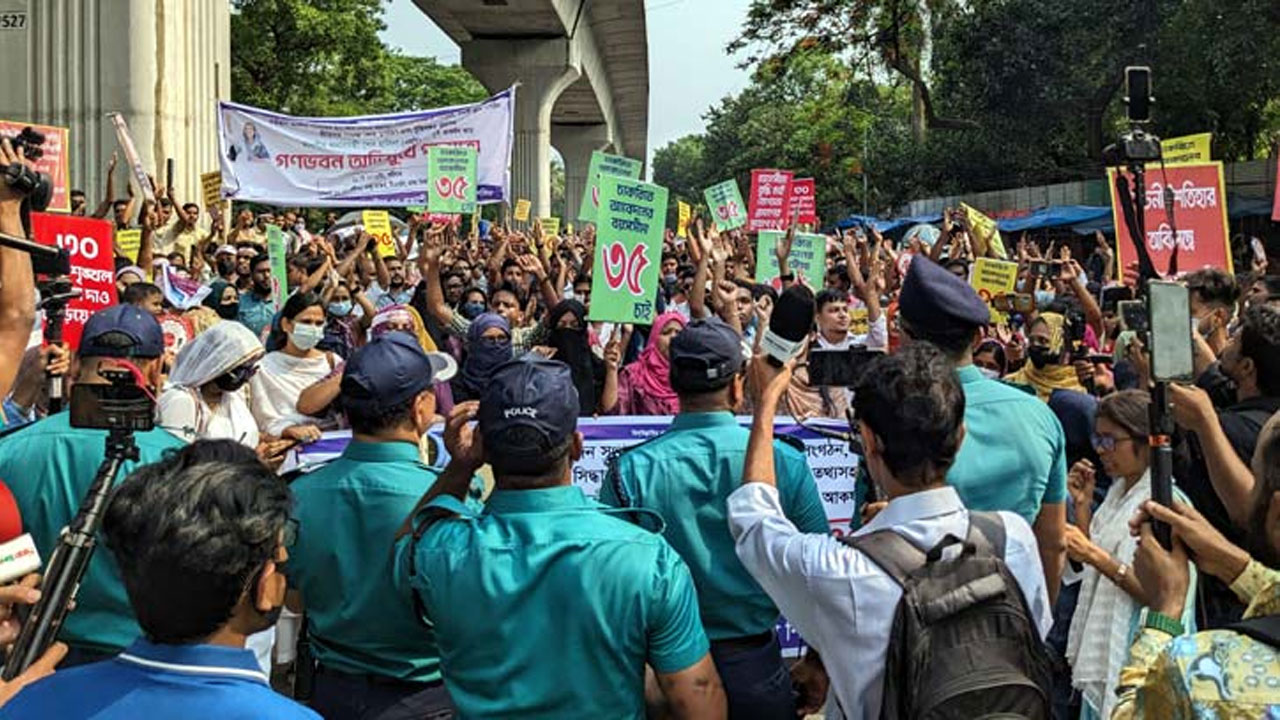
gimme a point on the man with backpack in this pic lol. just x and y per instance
(927, 611)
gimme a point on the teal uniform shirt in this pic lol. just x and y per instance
(547, 606)
(686, 475)
(1014, 452)
(348, 512)
(49, 466)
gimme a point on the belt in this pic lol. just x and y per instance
(746, 642)
(379, 680)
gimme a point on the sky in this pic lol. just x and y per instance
(689, 69)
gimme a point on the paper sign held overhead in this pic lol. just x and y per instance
(451, 180)
(550, 226)
(804, 201)
(769, 200)
(277, 247)
(604, 165)
(521, 212)
(629, 229)
(378, 224)
(1199, 227)
(129, 242)
(683, 214)
(726, 206)
(211, 189)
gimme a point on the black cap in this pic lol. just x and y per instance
(705, 356)
(531, 393)
(389, 370)
(122, 331)
(934, 299)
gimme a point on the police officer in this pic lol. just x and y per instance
(375, 659)
(545, 604)
(199, 538)
(685, 476)
(1014, 452)
(49, 466)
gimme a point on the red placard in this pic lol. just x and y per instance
(770, 198)
(804, 200)
(54, 160)
(1199, 214)
(92, 268)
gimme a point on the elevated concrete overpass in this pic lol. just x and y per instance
(583, 69)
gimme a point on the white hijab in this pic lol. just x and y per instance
(224, 346)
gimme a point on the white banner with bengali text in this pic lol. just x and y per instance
(366, 161)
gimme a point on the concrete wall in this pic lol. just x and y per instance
(163, 64)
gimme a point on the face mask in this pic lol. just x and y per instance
(1041, 356)
(305, 337)
(226, 267)
(989, 374)
(1044, 298)
(229, 311)
(471, 310)
(670, 279)
(339, 309)
(234, 379)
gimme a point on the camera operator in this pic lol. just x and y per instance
(50, 465)
(199, 537)
(17, 283)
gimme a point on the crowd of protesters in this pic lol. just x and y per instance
(509, 595)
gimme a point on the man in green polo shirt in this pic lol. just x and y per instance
(545, 604)
(49, 466)
(685, 476)
(375, 658)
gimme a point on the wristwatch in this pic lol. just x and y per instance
(1163, 623)
(789, 277)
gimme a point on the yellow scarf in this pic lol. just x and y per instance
(1051, 377)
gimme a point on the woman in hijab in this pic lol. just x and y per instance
(488, 346)
(644, 386)
(224, 299)
(568, 323)
(344, 328)
(402, 318)
(1047, 368)
(203, 399)
(991, 359)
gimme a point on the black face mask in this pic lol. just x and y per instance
(226, 267)
(229, 311)
(1041, 356)
(235, 378)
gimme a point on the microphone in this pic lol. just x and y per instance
(18, 554)
(789, 325)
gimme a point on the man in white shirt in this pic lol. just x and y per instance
(911, 422)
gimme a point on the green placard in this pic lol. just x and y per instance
(726, 206)
(276, 250)
(451, 180)
(604, 165)
(808, 255)
(632, 216)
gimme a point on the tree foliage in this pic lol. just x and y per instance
(324, 58)
(1013, 92)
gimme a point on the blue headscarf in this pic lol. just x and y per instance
(484, 355)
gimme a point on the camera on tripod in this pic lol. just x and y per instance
(122, 404)
(1136, 146)
(34, 186)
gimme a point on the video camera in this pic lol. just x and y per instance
(122, 404)
(34, 186)
(1136, 146)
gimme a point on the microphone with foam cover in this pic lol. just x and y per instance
(18, 554)
(789, 325)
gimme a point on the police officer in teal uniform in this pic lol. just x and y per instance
(685, 476)
(545, 604)
(49, 466)
(374, 658)
(1014, 452)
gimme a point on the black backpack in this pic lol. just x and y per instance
(963, 643)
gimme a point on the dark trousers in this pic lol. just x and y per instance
(344, 696)
(756, 681)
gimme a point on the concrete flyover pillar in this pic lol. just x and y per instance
(576, 143)
(544, 68)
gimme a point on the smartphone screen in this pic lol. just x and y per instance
(838, 368)
(1133, 315)
(1138, 85)
(1170, 311)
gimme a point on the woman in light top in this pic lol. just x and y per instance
(293, 365)
(204, 397)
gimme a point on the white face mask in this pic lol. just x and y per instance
(305, 337)
(989, 373)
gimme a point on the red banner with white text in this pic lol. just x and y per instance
(769, 201)
(804, 201)
(1198, 227)
(88, 241)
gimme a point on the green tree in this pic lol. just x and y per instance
(324, 58)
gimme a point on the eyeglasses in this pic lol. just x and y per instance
(1107, 443)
